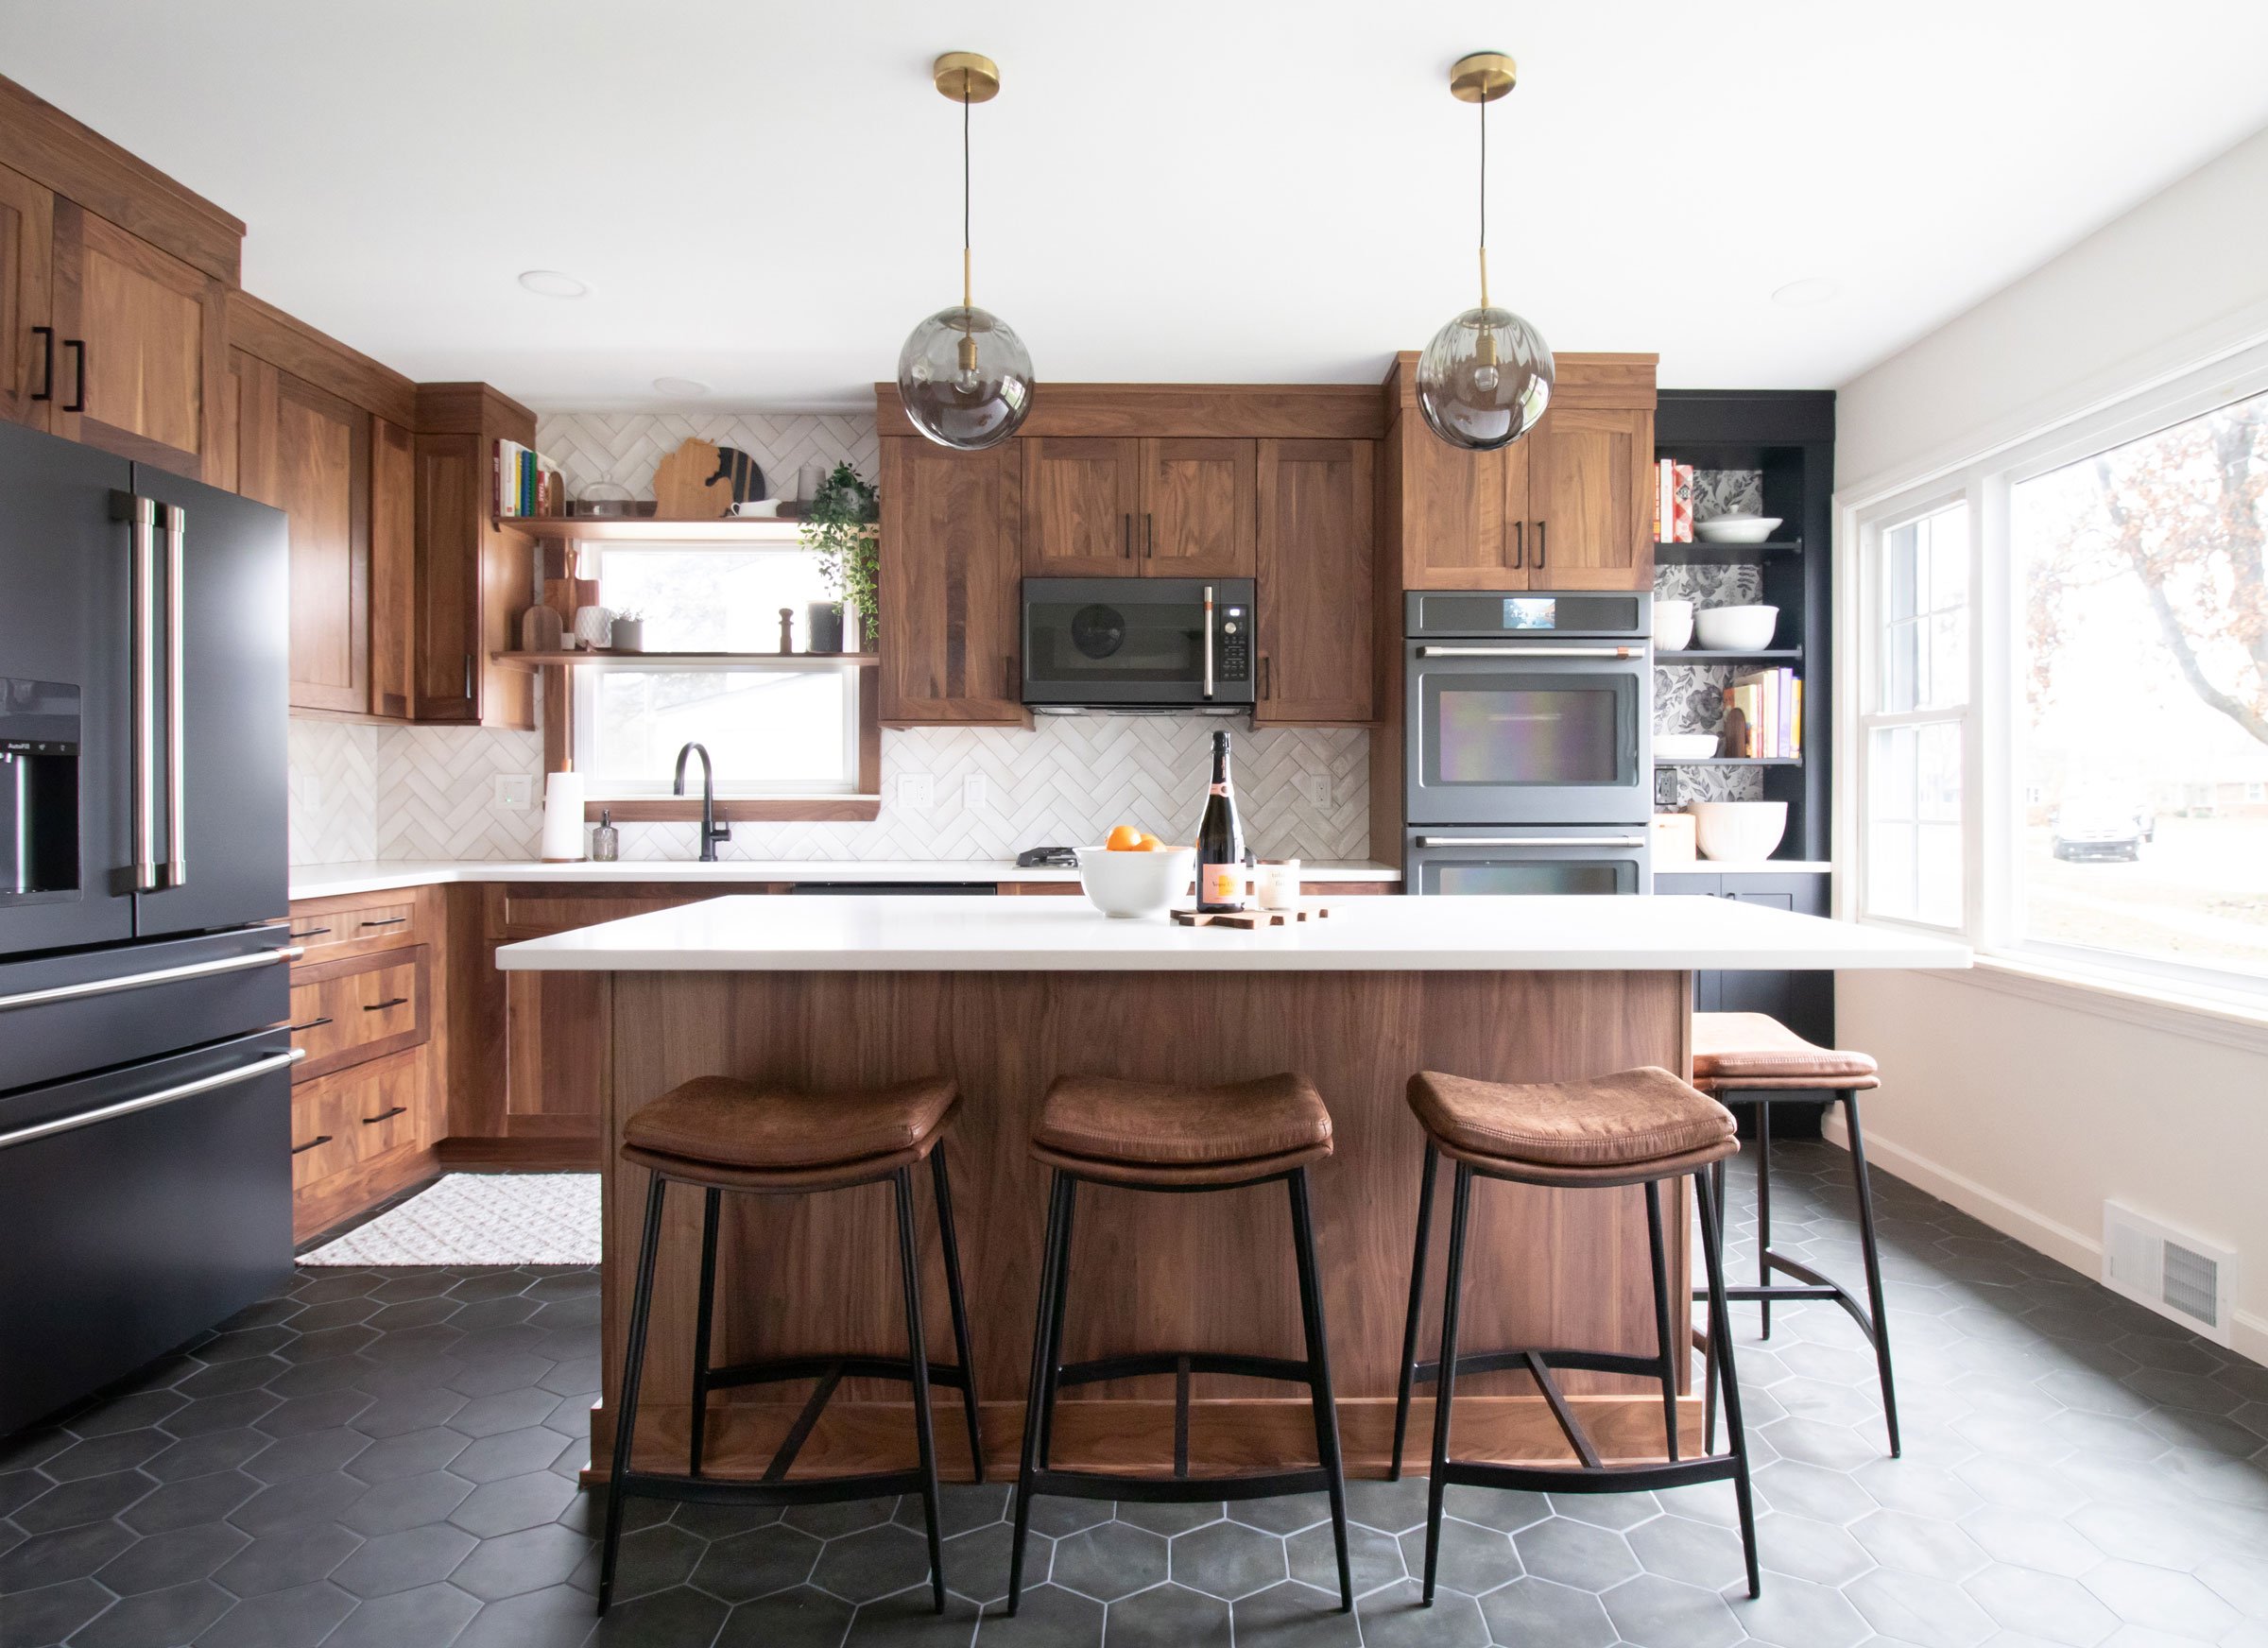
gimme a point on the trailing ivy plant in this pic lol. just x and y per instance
(840, 528)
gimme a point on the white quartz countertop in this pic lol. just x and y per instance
(854, 934)
(323, 881)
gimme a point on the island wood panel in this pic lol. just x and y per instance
(1213, 1272)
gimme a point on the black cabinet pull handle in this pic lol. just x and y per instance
(79, 344)
(311, 1024)
(1520, 545)
(1149, 537)
(303, 1149)
(1268, 680)
(390, 1001)
(46, 337)
(388, 921)
(1540, 546)
(1125, 538)
(384, 1115)
(312, 933)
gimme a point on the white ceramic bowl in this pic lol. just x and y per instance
(1737, 831)
(1685, 746)
(1132, 885)
(1736, 629)
(1673, 625)
(1737, 529)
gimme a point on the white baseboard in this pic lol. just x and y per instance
(2036, 1230)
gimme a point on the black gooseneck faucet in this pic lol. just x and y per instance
(712, 831)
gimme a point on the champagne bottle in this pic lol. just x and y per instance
(1220, 841)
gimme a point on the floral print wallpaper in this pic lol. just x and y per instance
(1690, 697)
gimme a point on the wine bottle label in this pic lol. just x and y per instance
(1221, 883)
(1217, 790)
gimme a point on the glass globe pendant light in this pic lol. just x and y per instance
(964, 375)
(1487, 377)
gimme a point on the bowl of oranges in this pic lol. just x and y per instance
(1135, 874)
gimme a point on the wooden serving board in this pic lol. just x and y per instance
(1250, 920)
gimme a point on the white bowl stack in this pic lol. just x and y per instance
(1128, 886)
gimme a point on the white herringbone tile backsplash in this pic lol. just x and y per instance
(625, 447)
(333, 790)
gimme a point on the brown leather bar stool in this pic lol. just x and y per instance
(1638, 1127)
(728, 1136)
(1152, 1135)
(1752, 1058)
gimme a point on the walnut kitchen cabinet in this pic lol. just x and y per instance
(1153, 507)
(1588, 504)
(952, 563)
(393, 514)
(28, 345)
(1314, 593)
(474, 573)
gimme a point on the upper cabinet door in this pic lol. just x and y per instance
(1082, 506)
(308, 452)
(27, 360)
(1463, 513)
(948, 578)
(1199, 515)
(393, 567)
(1315, 592)
(141, 346)
(1590, 520)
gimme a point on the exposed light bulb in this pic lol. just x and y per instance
(1486, 379)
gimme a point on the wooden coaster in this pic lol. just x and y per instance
(1250, 920)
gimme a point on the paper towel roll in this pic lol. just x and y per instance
(563, 818)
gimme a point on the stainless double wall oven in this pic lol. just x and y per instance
(1529, 760)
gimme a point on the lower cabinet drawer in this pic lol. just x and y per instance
(358, 1007)
(341, 1121)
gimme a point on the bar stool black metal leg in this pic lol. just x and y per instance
(917, 1351)
(943, 1189)
(1670, 1340)
(1034, 1386)
(702, 1322)
(1054, 1324)
(1445, 1382)
(1864, 1185)
(1318, 1375)
(1409, 1326)
(1764, 1209)
(1720, 1348)
(634, 1365)
(1709, 1363)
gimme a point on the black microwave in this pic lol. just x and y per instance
(1137, 645)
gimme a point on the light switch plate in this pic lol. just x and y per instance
(917, 790)
(1318, 789)
(972, 792)
(515, 792)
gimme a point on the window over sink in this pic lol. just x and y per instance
(790, 728)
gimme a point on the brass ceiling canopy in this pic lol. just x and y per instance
(973, 77)
(1482, 78)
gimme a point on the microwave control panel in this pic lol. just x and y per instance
(1233, 656)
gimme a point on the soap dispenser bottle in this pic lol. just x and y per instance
(606, 841)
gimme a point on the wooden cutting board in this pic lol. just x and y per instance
(1250, 920)
(684, 490)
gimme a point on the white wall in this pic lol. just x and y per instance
(2028, 1105)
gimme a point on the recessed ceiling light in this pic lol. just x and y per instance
(679, 386)
(1808, 292)
(552, 284)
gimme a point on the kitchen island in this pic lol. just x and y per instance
(1005, 995)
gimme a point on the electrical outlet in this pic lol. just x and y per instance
(972, 793)
(515, 792)
(917, 790)
(1318, 789)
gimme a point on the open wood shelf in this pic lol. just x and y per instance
(663, 660)
(654, 529)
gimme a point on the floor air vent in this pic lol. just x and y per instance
(2178, 1275)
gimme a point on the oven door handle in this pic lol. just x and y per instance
(1209, 641)
(1429, 651)
(1531, 841)
(150, 1101)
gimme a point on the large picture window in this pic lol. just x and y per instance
(1917, 704)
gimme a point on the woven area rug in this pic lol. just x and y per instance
(480, 1218)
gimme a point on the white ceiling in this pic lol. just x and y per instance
(765, 197)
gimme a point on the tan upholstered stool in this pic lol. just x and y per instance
(1635, 1128)
(1752, 1058)
(1153, 1136)
(728, 1136)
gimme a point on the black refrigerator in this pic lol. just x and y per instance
(145, 1060)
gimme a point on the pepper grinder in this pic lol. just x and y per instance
(787, 644)
(606, 841)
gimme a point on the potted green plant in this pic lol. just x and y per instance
(841, 528)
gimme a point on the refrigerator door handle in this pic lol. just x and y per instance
(176, 765)
(164, 976)
(142, 513)
(150, 1101)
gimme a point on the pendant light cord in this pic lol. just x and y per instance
(1484, 202)
(965, 301)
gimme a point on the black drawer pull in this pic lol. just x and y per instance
(311, 1024)
(388, 921)
(46, 337)
(312, 933)
(390, 1001)
(303, 1149)
(77, 346)
(384, 1115)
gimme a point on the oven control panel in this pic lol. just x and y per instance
(1233, 656)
